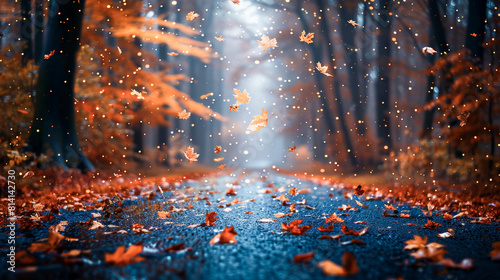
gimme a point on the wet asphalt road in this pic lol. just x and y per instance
(261, 251)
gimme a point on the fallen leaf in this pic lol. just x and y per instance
(293, 191)
(334, 219)
(291, 149)
(358, 191)
(29, 174)
(330, 236)
(163, 214)
(306, 257)
(329, 228)
(172, 54)
(218, 159)
(267, 220)
(348, 268)
(431, 225)
(495, 253)
(353, 242)
(447, 216)
(294, 228)
(122, 257)
(217, 149)
(52, 241)
(345, 230)
(225, 237)
(210, 219)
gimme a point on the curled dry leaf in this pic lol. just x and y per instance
(122, 257)
(323, 69)
(348, 268)
(29, 174)
(47, 56)
(172, 54)
(231, 191)
(447, 216)
(291, 149)
(234, 108)
(258, 122)
(353, 23)
(210, 219)
(431, 225)
(219, 38)
(190, 154)
(306, 257)
(217, 149)
(192, 16)
(345, 230)
(334, 219)
(222, 166)
(52, 241)
(428, 50)
(225, 237)
(293, 191)
(218, 159)
(358, 191)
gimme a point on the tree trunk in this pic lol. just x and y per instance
(54, 128)
(163, 136)
(336, 90)
(476, 24)
(348, 33)
(38, 29)
(26, 31)
(383, 82)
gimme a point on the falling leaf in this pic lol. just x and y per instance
(291, 149)
(183, 115)
(138, 94)
(119, 50)
(495, 253)
(210, 219)
(431, 225)
(192, 16)
(217, 149)
(218, 159)
(258, 122)
(219, 38)
(323, 69)
(22, 111)
(306, 257)
(353, 23)
(267, 43)
(463, 118)
(222, 166)
(361, 204)
(237, 2)
(29, 174)
(47, 56)
(294, 228)
(334, 219)
(191, 155)
(52, 241)
(241, 98)
(348, 268)
(122, 257)
(205, 96)
(306, 38)
(428, 50)
(345, 230)
(172, 54)
(225, 237)
(473, 34)
(234, 108)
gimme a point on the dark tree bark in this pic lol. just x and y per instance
(162, 55)
(54, 129)
(26, 31)
(476, 24)
(348, 33)
(383, 82)
(38, 29)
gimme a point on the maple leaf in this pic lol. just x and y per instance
(431, 225)
(52, 241)
(348, 268)
(294, 228)
(234, 108)
(219, 38)
(267, 43)
(306, 38)
(306, 257)
(345, 230)
(47, 56)
(192, 16)
(291, 149)
(258, 122)
(210, 219)
(353, 23)
(191, 155)
(225, 237)
(241, 98)
(323, 69)
(334, 219)
(428, 50)
(495, 253)
(205, 96)
(183, 115)
(432, 251)
(222, 166)
(122, 257)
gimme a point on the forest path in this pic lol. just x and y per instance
(262, 251)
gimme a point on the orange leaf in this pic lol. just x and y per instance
(122, 257)
(348, 268)
(307, 257)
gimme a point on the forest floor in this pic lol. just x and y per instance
(169, 231)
